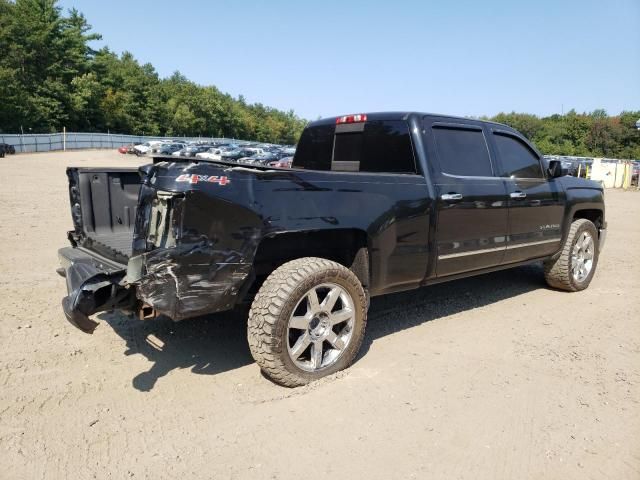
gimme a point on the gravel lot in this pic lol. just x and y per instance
(494, 377)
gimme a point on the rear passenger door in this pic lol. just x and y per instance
(536, 203)
(471, 199)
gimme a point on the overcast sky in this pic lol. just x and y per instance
(333, 57)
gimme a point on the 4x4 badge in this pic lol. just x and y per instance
(203, 178)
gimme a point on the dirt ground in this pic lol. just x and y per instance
(494, 377)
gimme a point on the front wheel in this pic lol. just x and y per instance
(307, 321)
(576, 265)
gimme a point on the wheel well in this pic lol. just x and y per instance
(347, 247)
(595, 216)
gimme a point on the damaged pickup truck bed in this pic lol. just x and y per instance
(374, 204)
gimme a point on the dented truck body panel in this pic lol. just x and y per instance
(194, 239)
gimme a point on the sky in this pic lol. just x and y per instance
(326, 58)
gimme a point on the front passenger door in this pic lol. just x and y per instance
(536, 203)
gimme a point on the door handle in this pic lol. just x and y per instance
(518, 195)
(451, 197)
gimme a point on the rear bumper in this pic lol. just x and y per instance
(94, 284)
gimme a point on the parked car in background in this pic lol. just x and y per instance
(168, 148)
(635, 173)
(284, 162)
(288, 151)
(128, 148)
(143, 148)
(156, 148)
(235, 154)
(259, 159)
(192, 150)
(212, 153)
(253, 150)
(7, 148)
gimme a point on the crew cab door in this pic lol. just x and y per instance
(471, 225)
(536, 203)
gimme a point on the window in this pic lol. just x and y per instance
(518, 160)
(375, 146)
(347, 151)
(387, 148)
(462, 151)
(315, 148)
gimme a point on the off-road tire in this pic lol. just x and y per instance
(557, 272)
(277, 298)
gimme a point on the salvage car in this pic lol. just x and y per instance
(284, 162)
(373, 204)
(191, 150)
(7, 148)
(143, 148)
(169, 148)
(259, 159)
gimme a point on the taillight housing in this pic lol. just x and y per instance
(357, 118)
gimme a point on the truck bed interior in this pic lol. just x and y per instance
(108, 201)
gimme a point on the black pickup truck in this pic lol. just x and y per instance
(375, 203)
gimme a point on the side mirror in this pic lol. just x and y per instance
(555, 169)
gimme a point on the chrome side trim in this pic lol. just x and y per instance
(471, 252)
(530, 244)
(497, 249)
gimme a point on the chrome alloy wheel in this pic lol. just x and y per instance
(320, 327)
(582, 257)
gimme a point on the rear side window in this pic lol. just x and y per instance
(462, 151)
(375, 146)
(518, 160)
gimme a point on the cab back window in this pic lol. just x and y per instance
(375, 146)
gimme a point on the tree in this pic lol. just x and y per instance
(51, 77)
(592, 134)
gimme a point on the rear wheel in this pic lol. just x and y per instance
(576, 265)
(307, 321)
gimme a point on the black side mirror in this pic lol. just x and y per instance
(555, 169)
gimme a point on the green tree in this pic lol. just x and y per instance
(42, 53)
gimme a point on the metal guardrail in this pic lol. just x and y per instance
(43, 142)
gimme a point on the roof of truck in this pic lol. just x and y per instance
(398, 115)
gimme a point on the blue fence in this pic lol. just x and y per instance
(41, 142)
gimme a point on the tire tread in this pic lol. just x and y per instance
(264, 330)
(558, 273)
